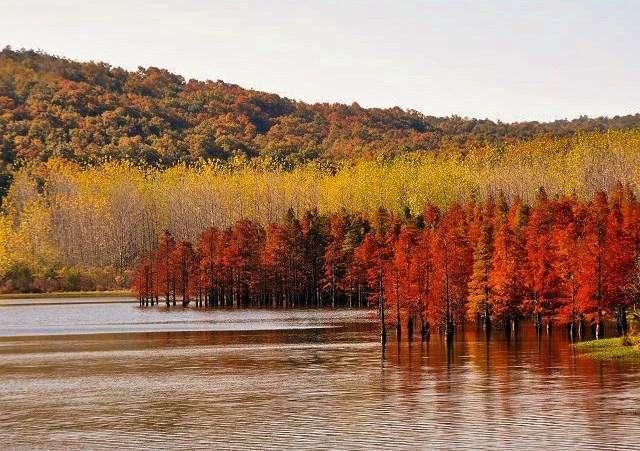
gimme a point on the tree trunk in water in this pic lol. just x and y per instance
(448, 330)
(486, 319)
(424, 329)
(398, 327)
(383, 330)
(333, 292)
(410, 328)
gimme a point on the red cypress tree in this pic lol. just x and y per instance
(398, 283)
(452, 261)
(542, 281)
(242, 258)
(210, 247)
(591, 295)
(183, 262)
(372, 256)
(422, 275)
(276, 257)
(335, 259)
(480, 296)
(163, 267)
(619, 264)
(567, 236)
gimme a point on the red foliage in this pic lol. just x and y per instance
(561, 260)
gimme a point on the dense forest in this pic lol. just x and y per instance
(89, 112)
(96, 163)
(559, 261)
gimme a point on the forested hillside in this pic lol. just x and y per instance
(89, 112)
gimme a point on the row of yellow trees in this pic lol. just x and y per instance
(60, 215)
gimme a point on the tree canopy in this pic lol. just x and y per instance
(90, 112)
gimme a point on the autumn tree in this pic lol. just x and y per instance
(482, 239)
(542, 280)
(183, 262)
(335, 259)
(164, 267)
(452, 260)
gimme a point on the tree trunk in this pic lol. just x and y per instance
(449, 329)
(486, 319)
(580, 326)
(621, 319)
(424, 328)
(537, 322)
(599, 326)
(383, 330)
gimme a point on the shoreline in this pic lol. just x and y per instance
(66, 297)
(67, 294)
(609, 349)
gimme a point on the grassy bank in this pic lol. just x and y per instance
(66, 294)
(610, 349)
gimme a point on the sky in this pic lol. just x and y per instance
(502, 60)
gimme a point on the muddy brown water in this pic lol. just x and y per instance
(113, 375)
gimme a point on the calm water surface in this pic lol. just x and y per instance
(115, 375)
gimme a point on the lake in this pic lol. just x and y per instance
(119, 376)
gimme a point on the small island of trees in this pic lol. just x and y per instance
(560, 261)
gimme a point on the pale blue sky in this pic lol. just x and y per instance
(502, 60)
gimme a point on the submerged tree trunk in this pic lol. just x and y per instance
(383, 330)
(538, 322)
(486, 318)
(449, 329)
(398, 327)
(424, 328)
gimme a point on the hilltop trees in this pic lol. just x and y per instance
(90, 112)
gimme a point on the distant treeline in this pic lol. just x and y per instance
(562, 261)
(90, 112)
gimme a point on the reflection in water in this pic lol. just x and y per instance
(317, 384)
